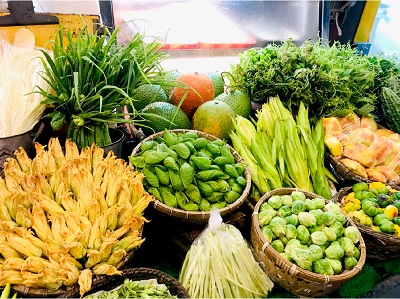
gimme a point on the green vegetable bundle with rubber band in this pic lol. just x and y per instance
(91, 75)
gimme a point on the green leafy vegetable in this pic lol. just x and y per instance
(330, 80)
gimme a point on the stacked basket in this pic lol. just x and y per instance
(107, 283)
(296, 280)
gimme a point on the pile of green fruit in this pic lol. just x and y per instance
(375, 205)
(183, 170)
(310, 233)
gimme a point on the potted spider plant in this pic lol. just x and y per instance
(92, 77)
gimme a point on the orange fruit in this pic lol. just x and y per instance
(215, 118)
(199, 89)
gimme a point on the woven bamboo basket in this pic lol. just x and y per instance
(25, 291)
(300, 282)
(198, 217)
(380, 246)
(107, 283)
(348, 176)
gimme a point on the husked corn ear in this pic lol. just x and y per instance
(71, 150)
(13, 263)
(11, 276)
(24, 161)
(7, 251)
(93, 258)
(107, 269)
(40, 223)
(24, 246)
(116, 257)
(85, 281)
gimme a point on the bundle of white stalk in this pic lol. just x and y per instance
(220, 264)
(21, 71)
(65, 217)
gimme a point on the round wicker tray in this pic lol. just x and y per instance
(300, 282)
(346, 175)
(25, 291)
(198, 217)
(380, 246)
(107, 283)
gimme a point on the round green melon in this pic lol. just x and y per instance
(161, 115)
(148, 93)
(239, 102)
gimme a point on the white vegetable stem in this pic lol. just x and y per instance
(20, 73)
(220, 264)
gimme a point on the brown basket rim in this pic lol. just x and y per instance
(199, 217)
(349, 175)
(383, 237)
(292, 268)
(135, 273)
(41, 292)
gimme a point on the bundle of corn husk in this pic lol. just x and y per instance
(67, 217)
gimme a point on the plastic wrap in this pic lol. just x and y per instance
(220, 264)
(363, 147)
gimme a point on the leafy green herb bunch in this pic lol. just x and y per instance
(92, 75)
